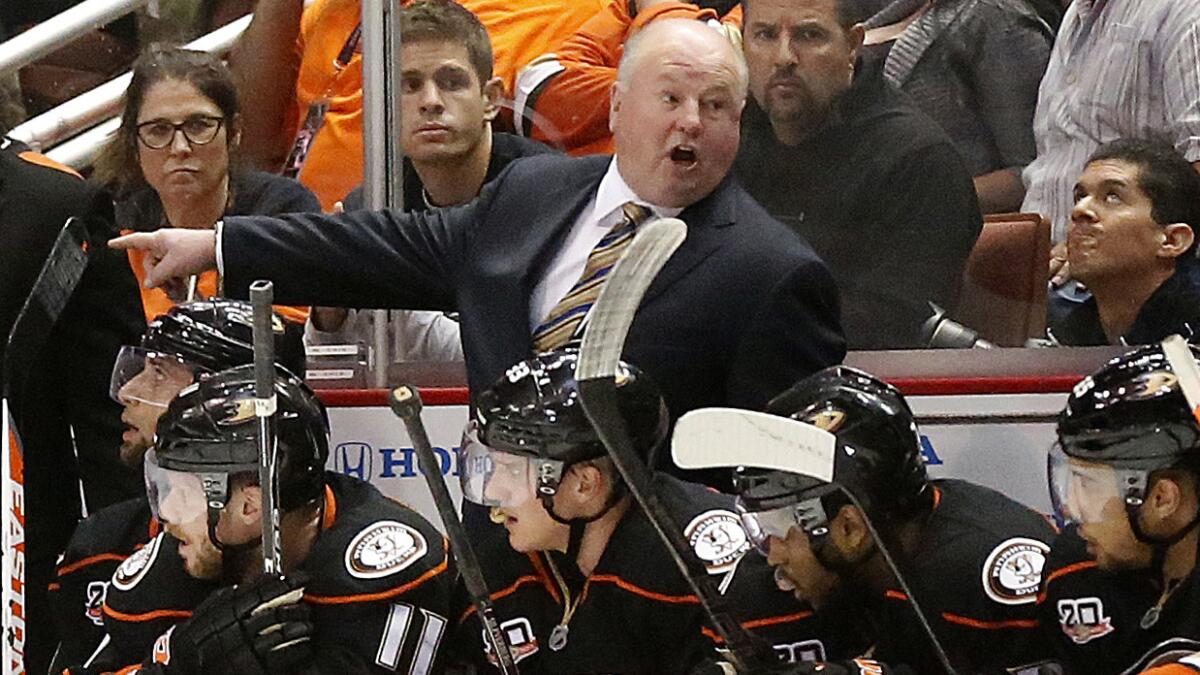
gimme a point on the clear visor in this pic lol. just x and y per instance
(175, 496)
(493, 477)
(1086, 492)
(760, 526)
(151, 378)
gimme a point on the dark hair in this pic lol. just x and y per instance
(449, 21)
(848, 13)
(117, 167)
(1168, 179)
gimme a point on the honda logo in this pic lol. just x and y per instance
(354, 459)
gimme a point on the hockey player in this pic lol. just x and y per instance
(970, 555)
(185, 343)
(375, 576)
(1120, 587)
(581, 581)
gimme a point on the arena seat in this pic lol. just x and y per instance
(1003, 295)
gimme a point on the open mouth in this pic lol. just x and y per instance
(684, 156)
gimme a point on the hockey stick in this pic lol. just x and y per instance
(60, 274)
(726, 438)
(608, 325)
(262, 294)
(405, 402)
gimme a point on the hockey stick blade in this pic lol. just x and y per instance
(726, 438)
(599, 357)
(60, 274)
(1183, 363)
(405, 402)
(262, 294)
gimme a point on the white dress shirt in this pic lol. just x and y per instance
(1119, 68)
(597, 218)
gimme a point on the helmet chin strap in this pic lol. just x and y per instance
(578, 525)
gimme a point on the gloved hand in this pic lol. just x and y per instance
(257, 628)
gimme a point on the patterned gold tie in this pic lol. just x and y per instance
(565, 318)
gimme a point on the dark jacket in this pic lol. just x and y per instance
(1174, 307)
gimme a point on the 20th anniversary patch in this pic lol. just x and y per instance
(384, 548)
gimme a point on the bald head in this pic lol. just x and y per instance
(666, 37)
(674, 111)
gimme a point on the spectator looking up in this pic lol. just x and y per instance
(173, 162)
(742, 307)
(974, 67)
(1132, 242)
(871, 182)
(448, 102)
(1118, 69)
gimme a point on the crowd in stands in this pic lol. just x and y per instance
(835, 160)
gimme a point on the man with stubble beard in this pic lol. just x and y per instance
(874, 185)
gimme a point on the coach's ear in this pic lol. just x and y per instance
(249, 505)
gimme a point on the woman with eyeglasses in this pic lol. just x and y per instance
(173, 161)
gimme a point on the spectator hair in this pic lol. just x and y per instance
(846, 16)
(448, 21)
(1168, 179)
(117, 168)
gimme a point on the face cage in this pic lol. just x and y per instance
(491, 477)
(148, 377)
(1079, 489)
(180, 496)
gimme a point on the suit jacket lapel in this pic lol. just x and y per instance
(559, 204)
(706, 221)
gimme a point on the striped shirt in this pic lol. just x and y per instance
(1119, 68)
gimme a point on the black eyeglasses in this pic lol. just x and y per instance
(197, 129)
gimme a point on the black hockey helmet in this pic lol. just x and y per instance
(207, 336)
(534, 410)
(1132, 418)
(210, 430)
(878, 457)
(217, 334)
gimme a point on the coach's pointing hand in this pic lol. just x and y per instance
(172, 254)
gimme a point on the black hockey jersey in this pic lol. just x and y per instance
(1096, 616)
(976, 574)
(380, 584)
(636, 613)
(101, 542)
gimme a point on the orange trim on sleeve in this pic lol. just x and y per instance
(636, 590)
(330, 510)
(990, 625)
(895, 595)
(1062, 572)
(148, 616)
(937, 497)
(757, 623)
(90, 560)
(44, 161)
(382, 595)
(503, 593)
(54, 586)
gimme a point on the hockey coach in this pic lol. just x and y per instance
(743, 309)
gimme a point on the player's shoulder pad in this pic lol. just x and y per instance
(374, 545)
(1000, 542)
(117, 530)
(710, 526)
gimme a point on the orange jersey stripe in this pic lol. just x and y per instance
(636, 590)
(1062, 572)
(42, 160)
(148, 616)
(503, 593)
(90, 560)
(382, 595)
(990, 625)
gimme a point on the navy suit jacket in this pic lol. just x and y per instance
(741, 311)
